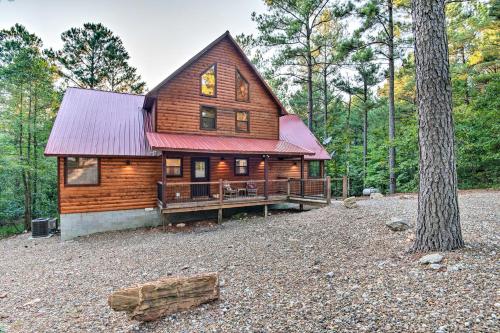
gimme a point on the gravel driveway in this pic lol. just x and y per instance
(329, 269)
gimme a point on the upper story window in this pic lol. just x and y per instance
(242, 93)
(174, 167)
(208, 81)
(242, 121)
(208, 118)
(81, 171)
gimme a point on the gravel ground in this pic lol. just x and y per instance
(328, 269)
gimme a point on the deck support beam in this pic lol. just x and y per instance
(266, 176)
(164, 179)
(219, 216)
(302, 176)
(265, 211)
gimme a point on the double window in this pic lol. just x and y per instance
(208, 118)
(80, 171)
(174, 167)
(242, 121)
(208, 82)
(241, 166)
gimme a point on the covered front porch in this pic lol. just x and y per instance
(240, 181)
(204, 172)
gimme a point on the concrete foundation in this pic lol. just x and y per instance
(81, 224)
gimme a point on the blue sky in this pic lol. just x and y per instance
(159, 35)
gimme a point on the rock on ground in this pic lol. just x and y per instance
(433, 258)
(270, 285)
(350, 202)
(397, 224)
(376, 195)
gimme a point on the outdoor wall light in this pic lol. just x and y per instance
(127, 162)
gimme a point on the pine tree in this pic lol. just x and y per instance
(93, 57)
(438, 221)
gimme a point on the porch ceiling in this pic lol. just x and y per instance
(222, 145)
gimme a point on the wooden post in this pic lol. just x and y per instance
(221, 192)
(164, 179)
(221, 198)
(302, 176)
(266, 177)
(219, 216)
(345, 188)
(288, 189)
(328, 190)
(265, 210)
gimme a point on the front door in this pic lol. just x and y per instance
(200, 172)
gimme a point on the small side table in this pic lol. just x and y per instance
(242, 190)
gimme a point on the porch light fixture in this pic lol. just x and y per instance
(222, 158)
(127, 162)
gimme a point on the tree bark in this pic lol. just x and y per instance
(438, 221)
(365, 130)
(309, 82)
(392, 149)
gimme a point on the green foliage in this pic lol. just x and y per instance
(93, 57)
(28, 101)
(473, 33)
(10, 229)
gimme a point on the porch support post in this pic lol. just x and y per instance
(265, 210)
(219, 216)
(302, 176)
(345, 187)
(164, 178)
(266, 176)
(221, 197)
(328, 190)
(322, 169)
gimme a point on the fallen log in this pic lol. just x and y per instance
(153, 300)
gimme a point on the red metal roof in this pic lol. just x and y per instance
(293, 130)
(222, 145)
(100, 123)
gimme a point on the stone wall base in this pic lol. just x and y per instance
(81, 224)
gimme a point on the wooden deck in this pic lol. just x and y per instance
(213, 204)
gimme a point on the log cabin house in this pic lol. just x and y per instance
(211, 136)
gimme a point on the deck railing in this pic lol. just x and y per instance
(231, 190)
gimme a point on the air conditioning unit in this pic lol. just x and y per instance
(40, 228)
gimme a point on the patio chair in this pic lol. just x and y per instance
(229, 192)
(251, 189)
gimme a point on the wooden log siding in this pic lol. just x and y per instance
(134, 186)
(178, 104)
(122, 187)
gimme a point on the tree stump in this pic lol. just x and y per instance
(153, 300)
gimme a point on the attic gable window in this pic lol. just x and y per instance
(242, 93)
(209, 81)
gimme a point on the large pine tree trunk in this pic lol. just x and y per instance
(438, 222)
(392, 124)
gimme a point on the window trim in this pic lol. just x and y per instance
(248, 166)
(309, 169)
(236, 121)
(215, 86)
(236, 72)
(201, 118)
(182, 166)
(66, 184)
